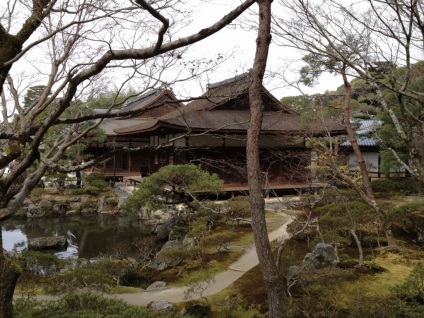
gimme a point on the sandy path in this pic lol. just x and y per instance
(221, 281)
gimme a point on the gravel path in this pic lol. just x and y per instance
(221, 281)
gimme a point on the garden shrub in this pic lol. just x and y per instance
(218, 240)
(171, 184)
(94, 191)
(41, 264)
(337, 196)
(238, 207)
(324, 287)
(78, 191)
(92, 177)
(178, 232)
(410, 214)
(80, 278)
(404, 186)
(235, 306)
(174, 257)
(28, 284)
(383, 187)
(112, 201)
(337, 219)
(86, 305)
(98, 183)
(338, 215)
(409, 186)
(118, 270)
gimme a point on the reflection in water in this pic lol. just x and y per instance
(14, 240)
(88, 236)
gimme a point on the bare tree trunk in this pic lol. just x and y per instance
(368, 196)
(274, 281)
(9, 273)
(352, 138)
(359, 245)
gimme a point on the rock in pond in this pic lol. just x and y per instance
(47, 242)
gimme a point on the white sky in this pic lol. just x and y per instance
(237, 43)
(242, 43)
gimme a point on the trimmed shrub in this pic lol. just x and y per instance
(174, 257)
(94, 176)
(337, 196)
(92, 190)
(112, 201)
(238, 207)
(383, 187)
(77, 279)
(219, 240)
(410, 215)
(101, 184)
(79, 191)
(405, 186)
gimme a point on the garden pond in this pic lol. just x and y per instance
(88, 236)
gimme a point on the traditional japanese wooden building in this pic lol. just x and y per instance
(211, 131)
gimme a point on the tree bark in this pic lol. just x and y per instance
(368, 196)
(359, 245)
(274, 281)
(9, 273)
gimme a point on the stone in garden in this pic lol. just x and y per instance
(323, 255)
(47, 242)
(159, 285)
(161, 305)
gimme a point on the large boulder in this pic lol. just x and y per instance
(47, 242)
(323, 255)
(162, 230)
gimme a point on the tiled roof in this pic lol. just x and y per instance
(225, 107)
(366, 127)
(109, 125)
(235, 120)
(149, 99)
(142, 101)
(136, 103)
(362, 142)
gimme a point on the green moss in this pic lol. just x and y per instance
(124, 290)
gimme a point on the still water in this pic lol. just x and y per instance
(88, 236)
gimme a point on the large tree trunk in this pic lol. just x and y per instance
(9, 274)
(274, 281)
(368, 196)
